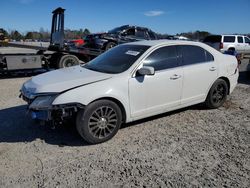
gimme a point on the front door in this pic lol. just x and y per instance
(240, 45)
(247, 45)
(153, 94)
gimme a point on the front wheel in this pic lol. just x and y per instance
(217, 94)
(99, 122)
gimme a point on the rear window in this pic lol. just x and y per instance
(229, 38)
(213, 39)
(151, 35)
(247, 40)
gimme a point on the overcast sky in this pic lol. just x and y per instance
(163, 16)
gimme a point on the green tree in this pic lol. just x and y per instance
(86, 32)
(4, 32)
(37, 35)
(75, 34)
(29, 35)
(15, 35)
(44, 34)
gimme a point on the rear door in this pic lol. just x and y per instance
(199, 72)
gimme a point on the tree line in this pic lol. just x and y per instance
(77, 34)
(42, 34)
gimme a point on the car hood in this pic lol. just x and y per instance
(64, 79)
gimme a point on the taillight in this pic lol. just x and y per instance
(221, 45)
(238, 57)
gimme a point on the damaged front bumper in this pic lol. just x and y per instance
(41, 108)
(56, 113)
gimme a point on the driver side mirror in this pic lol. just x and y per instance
(146, 70)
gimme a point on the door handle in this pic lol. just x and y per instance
(212, 69)
(175, 77)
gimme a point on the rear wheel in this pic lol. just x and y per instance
(68, 61)
(231, 49)
(99, 122)
(217, 94)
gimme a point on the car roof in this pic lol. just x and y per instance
(134, 26)
(164, 42)
(235, 35)
(227, 35)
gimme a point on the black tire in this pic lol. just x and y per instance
(110, 45)
(217, 94)
(68, 61)
(231, 49)
(99, 122)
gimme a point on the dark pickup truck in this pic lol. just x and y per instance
(119, 35)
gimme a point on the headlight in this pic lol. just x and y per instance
(28, 92)
(42, 102)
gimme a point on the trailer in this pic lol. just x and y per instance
(57, 55)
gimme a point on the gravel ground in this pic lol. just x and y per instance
(192, 147)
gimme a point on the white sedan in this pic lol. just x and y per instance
(130, 82)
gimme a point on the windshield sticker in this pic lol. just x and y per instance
(134, 53)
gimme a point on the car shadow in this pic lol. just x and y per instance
(17, 126)
(244, 77)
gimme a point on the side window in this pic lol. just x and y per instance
(194, 54)
(209, 57)
(130, 32)
(240, 39)
(141, 34)
(162, 58)
(151, 35)
(247, 40)
(229, 38)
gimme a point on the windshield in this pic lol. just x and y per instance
(117, 59)
(118, 29)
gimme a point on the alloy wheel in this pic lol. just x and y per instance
(102, 122)
(218, 93)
